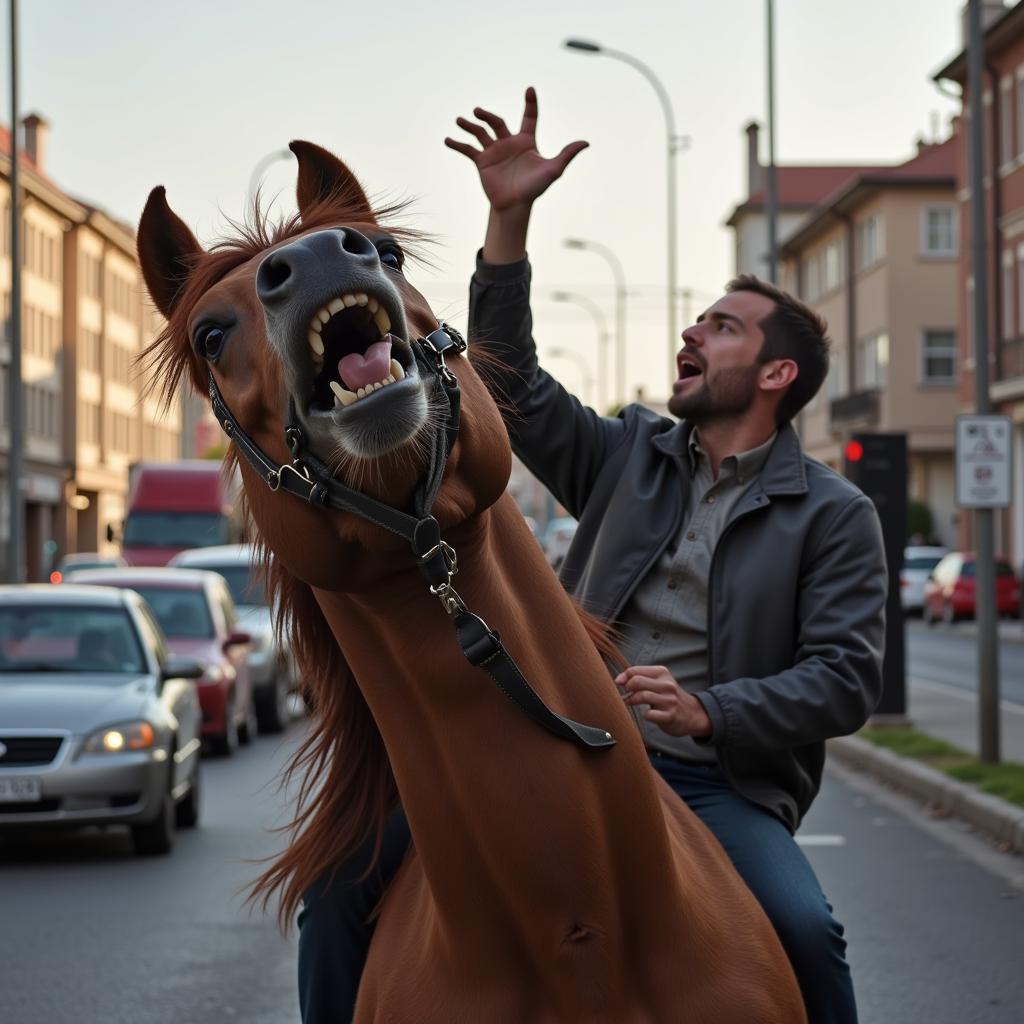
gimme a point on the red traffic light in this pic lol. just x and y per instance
(854, 451)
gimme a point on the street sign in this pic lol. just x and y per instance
(983, 461)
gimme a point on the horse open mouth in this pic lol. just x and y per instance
(354, 353)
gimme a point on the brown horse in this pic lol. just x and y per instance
(547, 882)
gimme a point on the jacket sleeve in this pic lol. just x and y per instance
(836, 679)
(561, 441)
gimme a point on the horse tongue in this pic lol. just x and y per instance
(357, 371)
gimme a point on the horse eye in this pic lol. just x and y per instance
(209, 341)
(392, 257)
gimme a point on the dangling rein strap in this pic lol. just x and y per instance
(307, 478)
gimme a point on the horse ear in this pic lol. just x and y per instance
(323, 177)
(167, 251)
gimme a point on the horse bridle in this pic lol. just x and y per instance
(306, 477)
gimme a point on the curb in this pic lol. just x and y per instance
(998, 819)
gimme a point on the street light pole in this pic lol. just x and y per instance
(15, 438)
(772, 201)
(580, 361)
(261, 168)
(620, 308)
(674, 144)
(985, 588)
(602, 332)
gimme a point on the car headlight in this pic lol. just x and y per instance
(118, 738)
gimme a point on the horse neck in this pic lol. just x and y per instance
(498, 807)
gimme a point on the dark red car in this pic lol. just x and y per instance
(949, 593)
(197, 614)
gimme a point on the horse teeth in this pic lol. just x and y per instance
(316, 343)
(323, 315)
(396, 370)
(349, 300)
(372, 304)
(315, 325)
(341, 395)
(382, 320)
(391, 380)
(361, 393)
(361, 298)
(335, 306)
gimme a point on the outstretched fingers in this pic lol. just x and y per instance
(464, 148)
(496, 123)
(569, 153)
(529, 123)
(478, 131)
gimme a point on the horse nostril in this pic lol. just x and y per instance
(357, 244)
(272, 277)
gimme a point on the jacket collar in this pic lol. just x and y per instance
(783, 472)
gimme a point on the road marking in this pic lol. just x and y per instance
(957, 691)
(823, 840)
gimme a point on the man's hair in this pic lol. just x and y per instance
(791, 331)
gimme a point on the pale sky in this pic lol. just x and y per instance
(192, 94)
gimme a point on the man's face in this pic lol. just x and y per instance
(718, 368)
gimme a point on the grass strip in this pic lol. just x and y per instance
(1004, 780)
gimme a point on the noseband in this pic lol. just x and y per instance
(306, 477)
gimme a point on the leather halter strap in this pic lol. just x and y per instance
(306, 477)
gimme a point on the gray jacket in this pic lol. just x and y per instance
(797, 587)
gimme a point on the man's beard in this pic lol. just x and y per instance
(733, 394)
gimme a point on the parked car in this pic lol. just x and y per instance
(198, 616)
(98, 724)
(273, 672)
(558, 535)
(950, 592)
(84, 560)
(918, 563)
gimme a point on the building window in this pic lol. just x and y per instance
(869, 242)
(833, 266)
(873, 362)
(835, 382)
(1006, 120)
(939, 230)
(938, 356)
(1020, 111)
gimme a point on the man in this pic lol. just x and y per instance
(747, 581)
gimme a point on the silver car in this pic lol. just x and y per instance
(98, 726)
(271, 666)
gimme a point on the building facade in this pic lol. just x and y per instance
(1003, 182)
(84, 322)
(878, 259)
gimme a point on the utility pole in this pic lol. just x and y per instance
(771, 199)
(16, 513)
(988, 647)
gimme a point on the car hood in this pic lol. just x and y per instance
(79, 704)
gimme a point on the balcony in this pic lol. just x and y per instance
(1010, 384)
(852, 412)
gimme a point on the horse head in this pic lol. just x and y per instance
(317, 316)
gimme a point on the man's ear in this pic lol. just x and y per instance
(323, 177)
(778, 374)
(167, 251)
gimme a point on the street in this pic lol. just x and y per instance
(90, 933)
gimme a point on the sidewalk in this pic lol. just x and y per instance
(950, 714)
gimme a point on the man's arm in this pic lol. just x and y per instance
(836, 679)
(560, 440)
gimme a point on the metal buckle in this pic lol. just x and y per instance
(457, 342)
(450, 600)
(274, 478)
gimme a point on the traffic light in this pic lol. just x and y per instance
(877, 464)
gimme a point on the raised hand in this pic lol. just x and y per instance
(512, 171)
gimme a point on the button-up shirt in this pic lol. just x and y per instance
(665, 621)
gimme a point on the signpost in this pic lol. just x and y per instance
(983, 461)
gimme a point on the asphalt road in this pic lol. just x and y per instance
(948, 654)
(89, 933)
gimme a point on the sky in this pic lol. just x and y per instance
(194, 94)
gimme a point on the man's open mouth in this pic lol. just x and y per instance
(353, 352)
(689, 368)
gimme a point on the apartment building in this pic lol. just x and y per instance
(878, 259)
(84, 321)
(1003, 182)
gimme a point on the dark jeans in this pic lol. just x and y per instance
(334, 935)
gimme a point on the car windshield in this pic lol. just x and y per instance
(73, 639)
(180, 612)
(1002, 569)
(175, 530)
(246, 586)
(923, 562)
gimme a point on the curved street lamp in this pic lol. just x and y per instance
(620, 306)
(260, 169)
(580, 361)
(674, 144)
(601, 322)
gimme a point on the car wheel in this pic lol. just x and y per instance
(227, 742)
(948, 615)
(273, 714)
(248, 729)
(156, 837)
(186, 814)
